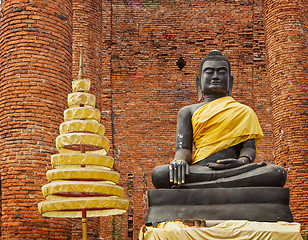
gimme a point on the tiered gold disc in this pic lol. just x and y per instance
(81, 180)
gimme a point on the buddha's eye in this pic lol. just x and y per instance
(222, 71)
(209, 71)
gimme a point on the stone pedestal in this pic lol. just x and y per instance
(263, 204)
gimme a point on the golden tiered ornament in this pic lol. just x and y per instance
(82, 183)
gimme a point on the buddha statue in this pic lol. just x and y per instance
(223, 135)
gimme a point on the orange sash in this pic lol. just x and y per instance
(221, 124)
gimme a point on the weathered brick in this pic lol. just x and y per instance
(130, 54)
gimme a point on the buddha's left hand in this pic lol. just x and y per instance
(228, 163)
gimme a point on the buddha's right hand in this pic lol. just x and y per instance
(177, 171)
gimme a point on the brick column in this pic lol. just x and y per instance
(87, 30)
(36, 61)
(287, 51)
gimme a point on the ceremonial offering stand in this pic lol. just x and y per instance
(82, 183)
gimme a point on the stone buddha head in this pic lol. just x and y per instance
(214, 77)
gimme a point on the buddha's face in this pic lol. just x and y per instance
(215, 78)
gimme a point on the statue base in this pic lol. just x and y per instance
(262, 204)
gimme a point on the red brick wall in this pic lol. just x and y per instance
(146, 40)
(287, 50)
(130, 53)
(34, 82)
(261, 90)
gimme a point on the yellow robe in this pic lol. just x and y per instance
(221, 124)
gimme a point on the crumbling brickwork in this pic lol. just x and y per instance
(131, 51)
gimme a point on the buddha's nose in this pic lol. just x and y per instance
(215, 76)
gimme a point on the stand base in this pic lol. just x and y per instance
(263, 204)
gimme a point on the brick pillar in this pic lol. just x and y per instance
(87, 30)
(36, 61)
(287, 51)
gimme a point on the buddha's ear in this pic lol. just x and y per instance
(230, 85)
(198, 82)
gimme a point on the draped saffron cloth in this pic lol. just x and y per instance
(221, 124)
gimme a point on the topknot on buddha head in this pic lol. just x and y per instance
(214, 55)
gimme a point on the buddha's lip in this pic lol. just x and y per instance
(215, 82)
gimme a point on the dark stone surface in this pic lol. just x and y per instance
(268, 204)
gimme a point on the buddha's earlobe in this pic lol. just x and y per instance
(198, 83)
(230, 85)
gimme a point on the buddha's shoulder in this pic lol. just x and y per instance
(242, 106)
(190, 109)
